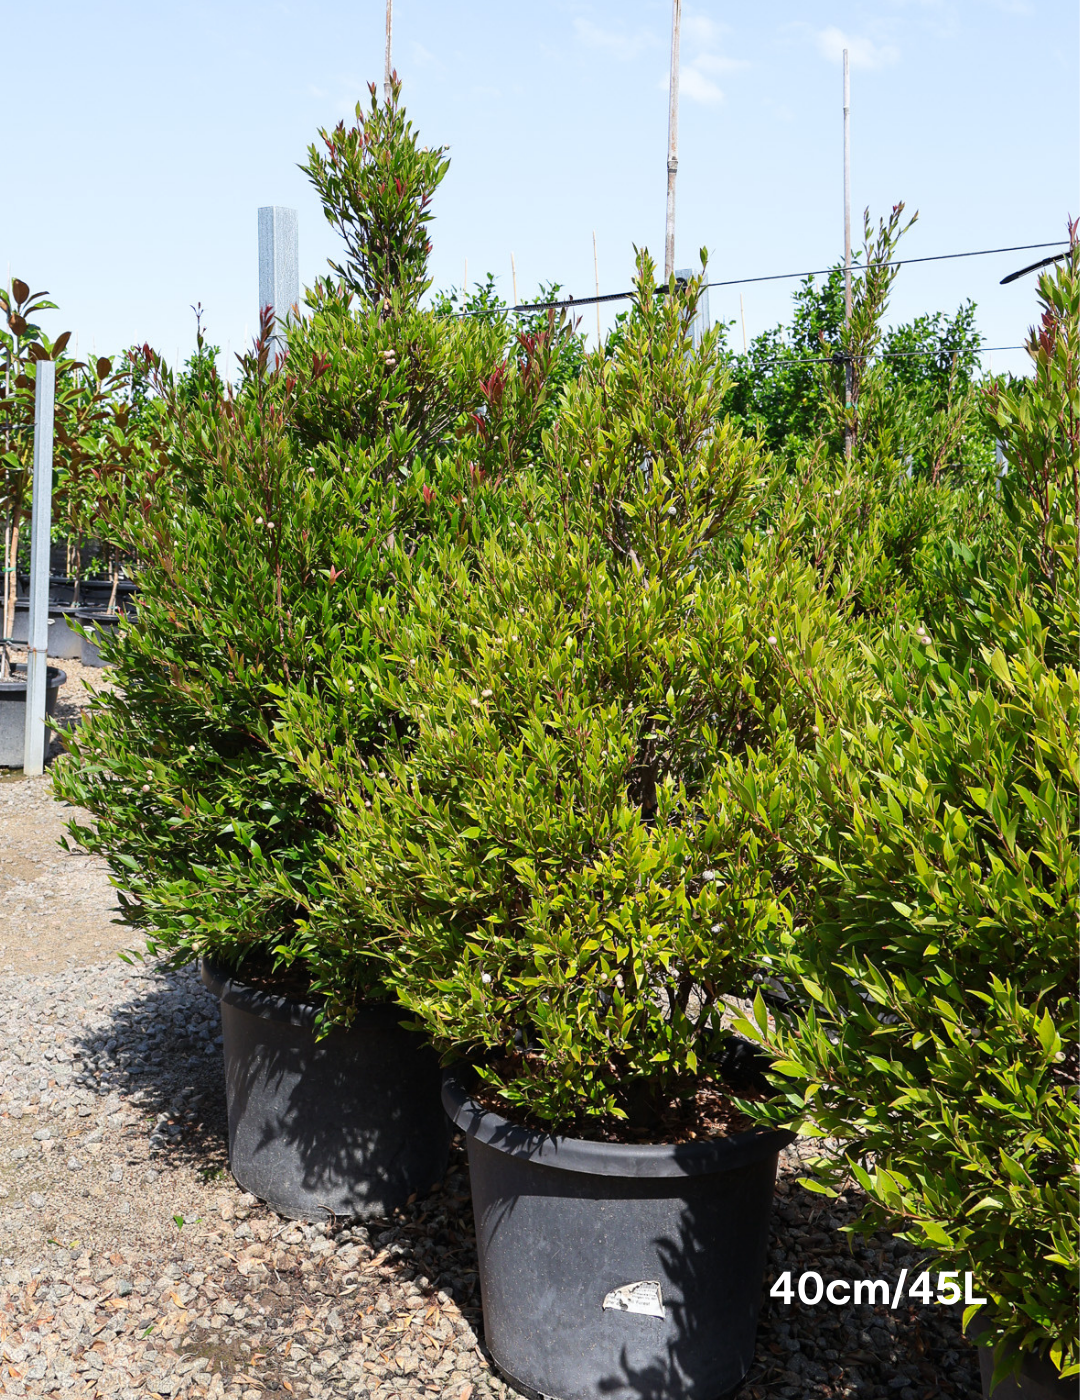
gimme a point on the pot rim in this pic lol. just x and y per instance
(54, 679)
(23, 605)
(231, 990)
(623, 1159)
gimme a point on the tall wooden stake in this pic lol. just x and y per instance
(389, 31)
(848, 435)
(742, 317)
(513, 274)
(673, 141)
(38, 634)
(596, 275)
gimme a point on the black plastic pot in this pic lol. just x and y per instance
(61, 589)
(617, 1272)
(63, 642)
(96, 592)
(13, 712)
(96, 622)
(1038, 1379)
(350, 1125)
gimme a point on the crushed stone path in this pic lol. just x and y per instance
(131, 1264)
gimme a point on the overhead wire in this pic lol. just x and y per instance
(529, 308)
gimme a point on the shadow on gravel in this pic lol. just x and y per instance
(159, 1050)
(153, 1049)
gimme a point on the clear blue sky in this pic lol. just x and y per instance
(141, 139)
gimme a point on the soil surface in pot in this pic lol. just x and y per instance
(258, 971)
(707, 1113)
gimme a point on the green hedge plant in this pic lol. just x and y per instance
(938, 957)
(292, 502)
(565, 890)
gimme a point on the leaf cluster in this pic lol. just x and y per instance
(936, 964)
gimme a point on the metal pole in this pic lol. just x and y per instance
(673, 141)
(848, 435)
(279, 263)
(389, 31)
(38, 633)
(596, 276)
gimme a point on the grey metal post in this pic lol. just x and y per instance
(279, 261)
(700, 324)
(40, 539)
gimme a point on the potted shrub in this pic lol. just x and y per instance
(939, 957)
(318, 481)
(565, 893)
(13, 711)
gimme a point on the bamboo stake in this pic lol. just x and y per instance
(389, 30)
(465, 284)
(513, 274)
(848, 434)
(596, 275)
(673, 141)
(742, 315)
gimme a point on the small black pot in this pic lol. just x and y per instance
(350, 1125)
(97, 624)
(13, 712)
(613, 1272)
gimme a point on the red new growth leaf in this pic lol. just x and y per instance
(429, 495)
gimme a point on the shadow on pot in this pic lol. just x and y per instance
(348, 1125)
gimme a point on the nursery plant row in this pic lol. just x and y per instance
(634, 758)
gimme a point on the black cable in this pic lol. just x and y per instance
(527, 308)
(1034, 267)
(839, 359)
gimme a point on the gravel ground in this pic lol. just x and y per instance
(131, 1264)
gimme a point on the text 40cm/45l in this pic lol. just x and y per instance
(811, 1289)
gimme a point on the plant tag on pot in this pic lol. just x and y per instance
(644, 1298)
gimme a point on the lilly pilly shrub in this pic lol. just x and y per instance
(294, 502)
(939, 960)
(566, 889)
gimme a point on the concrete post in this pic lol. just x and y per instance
(40, 537)
(279, 261)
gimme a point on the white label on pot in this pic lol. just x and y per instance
(644, 1298)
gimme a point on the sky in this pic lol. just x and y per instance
(142, 140)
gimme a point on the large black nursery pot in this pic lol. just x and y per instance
(13, 712)
(349, 1125)
(63, 642)
(61, 589)
(610, 1271)
(96, 592)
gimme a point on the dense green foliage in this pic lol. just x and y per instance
(567, 890)
(938, 954)
(914, 386)
(561, 696)
(290, 503)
